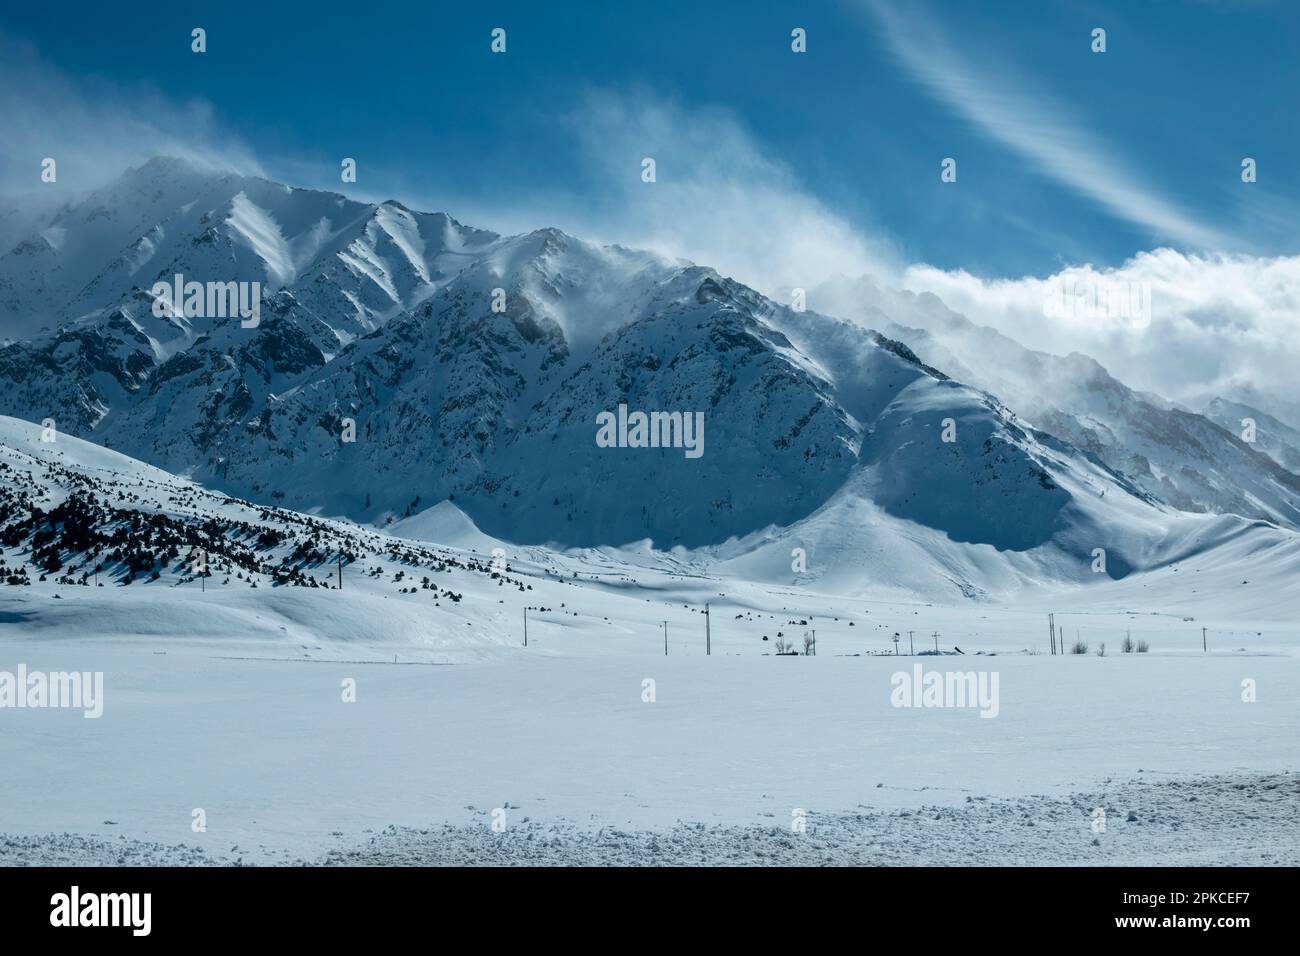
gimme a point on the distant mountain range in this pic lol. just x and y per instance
(1193, 461)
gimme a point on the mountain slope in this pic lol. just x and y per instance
(1274, 438)
(1187, 460)
(403, 359)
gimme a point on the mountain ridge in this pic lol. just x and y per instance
(471, 367)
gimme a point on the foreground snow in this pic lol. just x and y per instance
(565, 748)
(1247, 821)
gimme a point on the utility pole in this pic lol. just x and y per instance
(911, 648)
(525, 627)
(708, 637)
(936, 642)
(340, 568)
(665, 638)
(896, 640)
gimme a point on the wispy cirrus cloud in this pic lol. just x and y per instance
(1034, 125)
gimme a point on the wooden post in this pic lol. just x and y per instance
(1204, 645)
(708, 637)
(340, 569)
(936, 642)
(665, 638)
(525, 627)
(911, 648)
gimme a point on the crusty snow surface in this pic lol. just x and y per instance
(1213, 821)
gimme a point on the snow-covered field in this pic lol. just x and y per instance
(561, 738)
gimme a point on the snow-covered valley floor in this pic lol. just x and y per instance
(565, 754)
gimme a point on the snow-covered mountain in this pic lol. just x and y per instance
(22, 217)
(473, 368)
(1190, 461)
(1273, 437)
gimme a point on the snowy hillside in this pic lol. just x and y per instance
(110, 533)
(77, 519)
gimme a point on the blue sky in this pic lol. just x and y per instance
(1064, 156)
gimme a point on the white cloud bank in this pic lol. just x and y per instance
(1219, 324)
